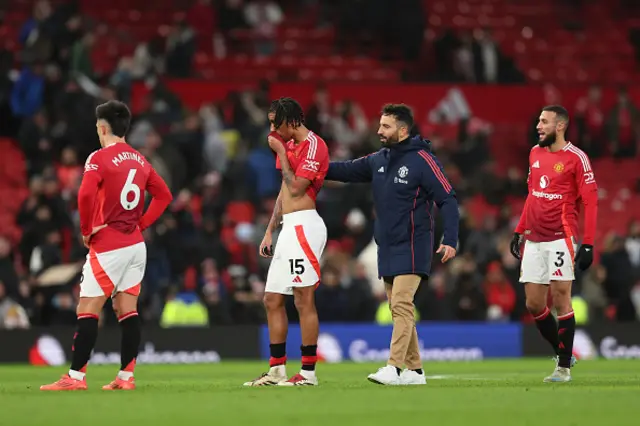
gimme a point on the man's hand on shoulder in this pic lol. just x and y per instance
(448, 252)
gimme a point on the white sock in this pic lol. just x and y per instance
(278, 370)
(77, 375)
(308, 374)
(124, 375)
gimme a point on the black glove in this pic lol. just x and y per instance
(515, 246)
(584, 259)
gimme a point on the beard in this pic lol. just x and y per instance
(393, 139)
(548, 140)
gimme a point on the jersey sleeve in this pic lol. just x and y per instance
(161, 198)
(358, 170)
(440, 190)
(91, 181)
(588, 192)
(92, 165)
(313, 160)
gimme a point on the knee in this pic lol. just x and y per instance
(536, 306)
(401, 305)
(273, 301)
(91, 305)
(304, 302)
(561, 301)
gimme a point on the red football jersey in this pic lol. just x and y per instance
(557, 182)
(113, 193)
(309, 160)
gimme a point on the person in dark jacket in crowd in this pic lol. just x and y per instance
(407, 181)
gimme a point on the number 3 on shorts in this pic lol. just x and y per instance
(560, 259)
(129, 187)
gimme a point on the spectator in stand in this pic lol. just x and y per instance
(36, 34)
(69, 172)
(28, 92)
(12, 315)
(632, 245)
(470, 303)
(624, 126)
(590, 122)
(619, 279)
(264, 16)
(35, 140)
(500, 295)
(593, 293)
(181, 46)
(8, 274)
(331, 298)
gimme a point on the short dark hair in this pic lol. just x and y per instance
(117, 114)
(401, 112)
(561, 112)
(287, 110)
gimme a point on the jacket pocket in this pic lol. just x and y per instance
(400, 232)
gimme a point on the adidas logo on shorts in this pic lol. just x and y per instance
(297, 279)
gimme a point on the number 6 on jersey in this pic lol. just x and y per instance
(128, 188)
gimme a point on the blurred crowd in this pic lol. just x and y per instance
(203, 264)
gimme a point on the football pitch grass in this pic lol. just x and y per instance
(503, 392)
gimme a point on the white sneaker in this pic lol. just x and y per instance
(410, 377)
(301, 379)
(276, 375)
(559, 375)
(387, 375)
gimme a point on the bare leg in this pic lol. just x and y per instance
(304, 298)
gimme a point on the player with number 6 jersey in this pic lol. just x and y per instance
(111, 205)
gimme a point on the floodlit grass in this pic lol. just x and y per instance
(507, 392)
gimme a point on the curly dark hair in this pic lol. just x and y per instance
(287, 110)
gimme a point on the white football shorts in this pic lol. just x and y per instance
(115, 271)
(544, 262)
(296, 258)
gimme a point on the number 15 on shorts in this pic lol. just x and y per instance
(296, 266)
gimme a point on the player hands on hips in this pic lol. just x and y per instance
(407, 182)
(110, 205)
(560, 176)
(295, 266)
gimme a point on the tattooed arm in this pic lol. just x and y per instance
(276, 217)
(266, 248)
(296, 185)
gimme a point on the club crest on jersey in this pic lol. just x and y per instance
(402, 174)
(558, 167)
